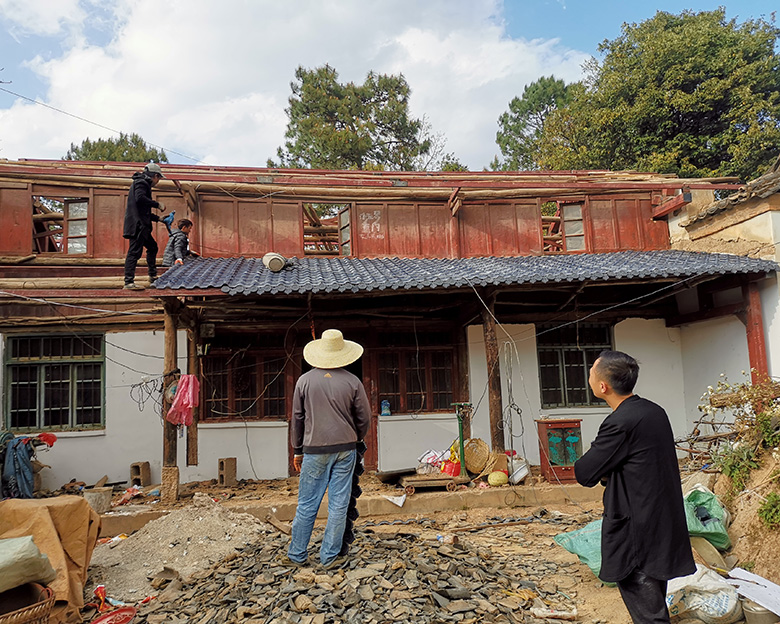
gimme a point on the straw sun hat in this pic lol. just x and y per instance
(331, 351)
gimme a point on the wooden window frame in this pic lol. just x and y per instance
(404, 394)
(231, 408)
(46, 397)
(586, 352)
(58, 240)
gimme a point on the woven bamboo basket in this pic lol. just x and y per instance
(476, 453)
(37, 613)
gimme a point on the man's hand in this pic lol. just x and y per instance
(179, 261)
(160, 206)
(298, 462)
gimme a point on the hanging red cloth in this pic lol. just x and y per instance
(186, 398)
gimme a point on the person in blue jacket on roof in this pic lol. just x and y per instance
(178, 247)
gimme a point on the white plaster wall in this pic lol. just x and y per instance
(131, 434)
(661, 379)
(710, 348)
(260, 449)
(658, 349)
(403, 438)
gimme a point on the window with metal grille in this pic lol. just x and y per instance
(415, 380)
(244, 386)
(565, 357)
(54, 382)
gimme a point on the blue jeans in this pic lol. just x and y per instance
(331, 471)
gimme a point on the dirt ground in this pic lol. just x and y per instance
(200, 532)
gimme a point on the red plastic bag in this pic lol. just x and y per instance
(186, 398)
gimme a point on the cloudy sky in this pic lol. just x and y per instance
(209, 81)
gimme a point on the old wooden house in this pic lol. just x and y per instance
(497, 289)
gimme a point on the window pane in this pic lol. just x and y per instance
(244, 383)
(77, 210)
(550, 378)
(88, 394)
(415, 384)
(572, 211)
(215, 387)
(441, 380)
(77, 228)
(273, 394)
(56, 395)
(575, 378)
(77, 245)
(575, 243)
(24, 396)
(574, 228)
(389, 389)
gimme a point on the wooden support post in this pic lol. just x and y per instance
(494, 379)
(754, 325)
(192, 369)
(168, 491)
(462, 394)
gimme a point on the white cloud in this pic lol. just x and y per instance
(41, 17)
(212, 79)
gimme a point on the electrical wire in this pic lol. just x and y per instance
(94, 123)
(77, 307)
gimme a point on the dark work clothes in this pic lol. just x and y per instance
(138, 226)
(644, 523)
(645, 598)
(177, 248)
(330, 412)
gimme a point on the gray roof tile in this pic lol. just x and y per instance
(248, 276)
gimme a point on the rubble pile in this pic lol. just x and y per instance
(395, 577)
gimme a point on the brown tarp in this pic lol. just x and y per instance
(65, 529)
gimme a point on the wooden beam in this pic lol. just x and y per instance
(683, 319)
(670, 205)
(754, 327)
(192, 369)
(494, 377)
(171, 307)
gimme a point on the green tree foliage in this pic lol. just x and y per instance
(125, 148)
(350, 126)
(692, 94)
(520, 128)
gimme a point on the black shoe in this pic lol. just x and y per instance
(152, 279)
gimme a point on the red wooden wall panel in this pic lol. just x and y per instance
(108, 220)
(503, 230)
(435, 238)
(16, 229)
(474, 234)
(529, 228)
(602, 225)
(369, 230)
(628, 226)
(287, 220)
(218, 228)
(656, 233)
(255, 228)
(403, 230)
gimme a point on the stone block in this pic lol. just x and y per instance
(140, 474)
(227, 472)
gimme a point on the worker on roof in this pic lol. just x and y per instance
(178, 247)
(138, 223)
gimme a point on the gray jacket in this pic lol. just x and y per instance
(177, 248)
(330, 412)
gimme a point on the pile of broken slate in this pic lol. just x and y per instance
(391, 577)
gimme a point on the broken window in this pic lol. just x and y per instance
(326, 229)
(60, 225)
(54, 382)
(242, 385)
(565, 357)
(416, 378)
(562, 227)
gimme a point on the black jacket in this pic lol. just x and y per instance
(177, 248)
(138, 215)
(644, 519)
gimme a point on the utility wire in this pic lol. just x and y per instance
(94, 123)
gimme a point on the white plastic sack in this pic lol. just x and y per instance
(21, 562)
(704, 595)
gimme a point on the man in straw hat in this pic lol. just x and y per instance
(330, 417)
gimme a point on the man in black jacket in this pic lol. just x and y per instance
(138, 223)
(644, 535)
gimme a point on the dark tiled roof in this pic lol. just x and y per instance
(248, 276)
(760, 188)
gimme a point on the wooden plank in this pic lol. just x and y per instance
(503, 230)
(670, 205)
(287, 220)
(370, 229)
(754, 325)
(474, 235)
(435, 235)
(171, 307)
(192, 369)
(254, 228)
(403, 231)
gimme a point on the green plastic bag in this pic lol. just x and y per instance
(586, 544)
(705, 517)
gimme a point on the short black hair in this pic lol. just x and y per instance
(183, 223)
(619, 370)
